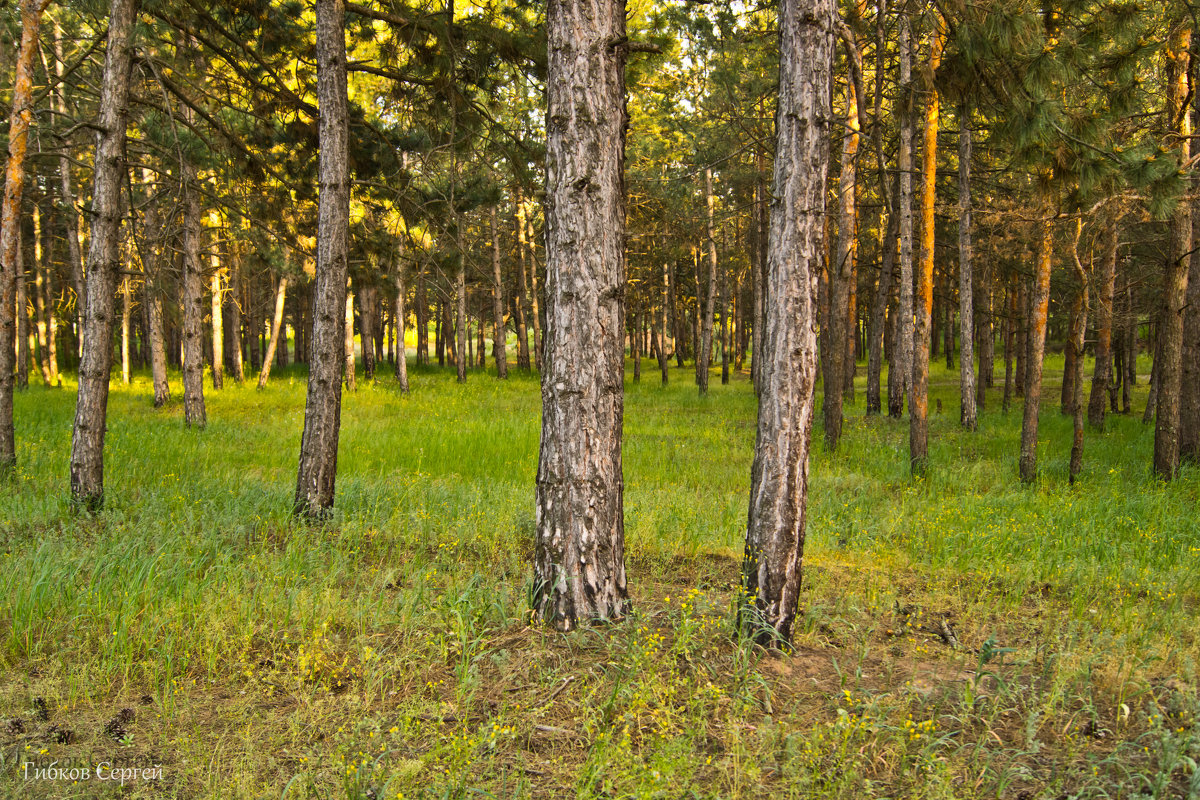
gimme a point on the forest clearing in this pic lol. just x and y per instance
(390, 654)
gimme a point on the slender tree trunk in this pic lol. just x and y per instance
(966, 290)
(1010, 332)
(421, 301)
(1189, 401)
(522, 290)
(276, 329)
(348, 344)
(918, 438)
(1039, 313)
(193, 317)
(367, 324)
(704, 358)
(1078, 335)
(151, 258)
(635, 349)
(840, 350)
(323, 407)
(126, 315)
(499, 345)
(1101, 376)
(664, 363)
(401, 318)
(22, 312)
(1170, 332)
(725, 328)
(70, 213)
(539, 341)
(218, 324)
(235, 321)
(903, 362)
(91, 407)
(775, 532)
(462, 357)
(985, 334)
(579, 564)
(879, 317)
(40, 267)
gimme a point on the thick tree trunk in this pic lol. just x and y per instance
(1102, 373)
(903, 361)
(1170, 334)
(276, 329)
(966, 291)
(775, 531)
(704, 357)
(1039, 314)
(579, 565)
(91, 408)
(918, 412)
(401, 317)
(499, 343)
(323, 406)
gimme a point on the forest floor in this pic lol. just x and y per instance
(194, 625)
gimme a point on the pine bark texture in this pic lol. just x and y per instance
(966, 291)
(903, 359)
(317, 473)
(91, 408)
(1039, 314)
(775, 530)
(193, 317)
(10, 219)
(1170, 332)
(1102, 371)
(579, 565)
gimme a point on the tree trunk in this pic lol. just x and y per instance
(918, 412)
(91, 408)
(522, 287)
(42, 267)
(775, 531)
(579, 565)
(348, 343)
(1170, 332)
(193, 317)
(966, 291)
(1189, 401)
(233, 342)
(276, 329)
(985, 335)
(70, 213)
(126, 315)
(704, 357)
(1039, 311)
(664, 362)
(1078, 335)
(151, 258)
(462, 357)
(1102, 374)
(499, 343)
(421, 301)
(903, 361)
(218, 325)
(539, 341)
(323, 406)
(400, 316)
(368, 323)
(879, 318)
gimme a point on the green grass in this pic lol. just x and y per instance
(387, 654)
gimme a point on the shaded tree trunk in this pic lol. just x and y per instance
(775, 531)
(323, 406)
(1039, 312)
(1010, 346)
(579, 564)
(91, 408)
(368, 302)
(966, 290)
(704, 357)
(193, 293)
(1078, 335)
(1189, 401)
(879, 318)
(499, 345)
(422, 312)
(1102, 373)
(664, 363)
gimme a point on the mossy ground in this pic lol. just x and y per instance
(387, 654)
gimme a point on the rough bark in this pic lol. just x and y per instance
(10, 219)
(91, 408)
(1039, 313)
(1102, 372)
(499, 343)
(323, 406)
(918, 411)
(966, 291)
(1175, 279)
(193, 294)
(903, 360)
(579, 564)
(775, 530)
(276, 330)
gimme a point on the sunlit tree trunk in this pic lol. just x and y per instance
(579, 563)
(522, 288)
(401, 320)
(903, 360)
(1039, 313)
(103, 263)
(775, 530)
(348, 343)
(276, 330)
